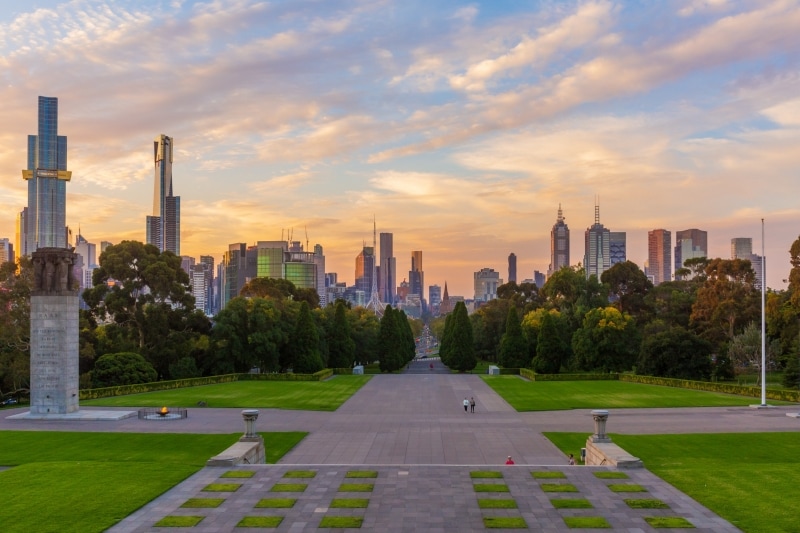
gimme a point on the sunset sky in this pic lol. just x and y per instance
(459, 125)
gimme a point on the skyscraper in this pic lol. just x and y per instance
(659, 255)
(364, 267)
(164, 226)
(416, 276)
(387, 282)
(559, 244)
(597, 258)
(690, 244)
(47, 177)
(512, 267)
(6, 251)
(617, 247)
(486, 283)
(741, 247)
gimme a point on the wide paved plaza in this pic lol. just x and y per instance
(411, 432)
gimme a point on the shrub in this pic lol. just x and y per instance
(126, 368)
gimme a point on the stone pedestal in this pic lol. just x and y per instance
(600, 416)
(54, 333)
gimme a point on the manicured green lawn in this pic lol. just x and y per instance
(557, 395)
(86, 482)
(757, 471)
(307, 395)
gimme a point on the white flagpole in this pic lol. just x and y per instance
(763, 328)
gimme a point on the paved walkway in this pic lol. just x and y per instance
(412, 430)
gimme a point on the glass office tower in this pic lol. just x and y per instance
(47, 178)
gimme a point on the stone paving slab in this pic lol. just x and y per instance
(420, 498)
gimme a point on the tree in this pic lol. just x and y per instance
(462, 355)
(606, 342)
(124, 368)
(627, 287)
(553, 349)
(185, 367)
(727, 301)
(791, 375)
(744, 350)
(305, 344)
(390, 342)
(675, 353)
(446, 343)
(513, 348)
(341, 346)
(672, 301)
(525, 296)
(15, 325)
(569, 291)
(409, 346)
(279, 289)
(488, 326)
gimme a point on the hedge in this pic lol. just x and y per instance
(575, 377)
(726, 388)
(121, 390)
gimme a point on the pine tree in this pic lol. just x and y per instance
(341, 346)
(462, 355)
(409, 345)
(513, 348)
(305, 343)
(552, 347)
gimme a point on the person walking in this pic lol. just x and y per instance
(571, 460)
(466, 404)
(472, 404)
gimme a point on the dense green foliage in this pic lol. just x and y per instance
(122, 369)
(304, 345)
(675, 353)
(341, 346)
(513, 346)
(462, 349)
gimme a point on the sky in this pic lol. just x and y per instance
(459, 126)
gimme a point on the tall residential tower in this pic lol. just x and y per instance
(659, 255)
(164, 226)
(45, 223)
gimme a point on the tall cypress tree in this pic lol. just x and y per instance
(446, 344)
(462, 355)
(305, 342)
(513, 348)
(341, 346)
(409, 349)
(388, 356)
(552, 346)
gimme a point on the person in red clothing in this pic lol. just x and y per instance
(509, 461)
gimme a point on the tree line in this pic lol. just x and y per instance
(141, 324)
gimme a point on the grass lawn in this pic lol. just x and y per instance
(557, 395)
(307, 395)
(757, 471)
(86, 482)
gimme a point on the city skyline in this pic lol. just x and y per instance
(462, 130)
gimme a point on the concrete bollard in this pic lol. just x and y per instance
(250, 416)
(600, 416)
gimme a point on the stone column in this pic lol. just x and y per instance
(54, 333)
(600, 416)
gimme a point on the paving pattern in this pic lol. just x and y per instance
(421, 498)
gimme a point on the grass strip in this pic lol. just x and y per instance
(558, 487)
(626, 487)
(341, 521)
(645, 503)
(362, 474)
(325, 395)
(179, 521)
(483, 474)
(668, 522)
(611, 475)
(202, 503)
(238, 474)
(557, 395)
(490, 503)
(222, 487)
(288, 487)
(504, 522)
(356, 487)
(586, 522)
(349, 503)
(549, 475)
(260, 521)
(300, 474)
(276, 503)
(490, 487)
(571, 503)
